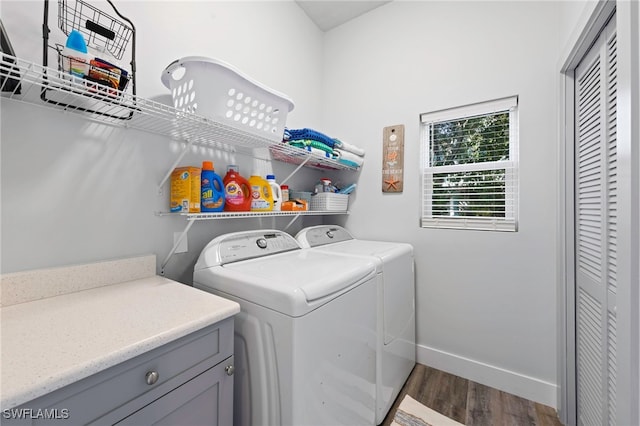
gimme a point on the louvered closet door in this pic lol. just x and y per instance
(596, 218)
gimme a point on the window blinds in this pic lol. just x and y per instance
(469, 166)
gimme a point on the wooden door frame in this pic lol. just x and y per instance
(629, 205)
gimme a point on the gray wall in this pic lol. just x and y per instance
(75, 191)
(486, 301)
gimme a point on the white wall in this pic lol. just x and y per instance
(486, 301)
(573, 17)
(75, 191)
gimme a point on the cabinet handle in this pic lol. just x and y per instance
(230, 369)
(152, 377)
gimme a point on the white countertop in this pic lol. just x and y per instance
(55, 341)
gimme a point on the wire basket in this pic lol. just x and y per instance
(101, 77)
(329, 201)
(100, 30)
(216, 90)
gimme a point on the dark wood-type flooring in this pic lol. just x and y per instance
(471, 403)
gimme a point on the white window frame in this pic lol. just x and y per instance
(510, 221)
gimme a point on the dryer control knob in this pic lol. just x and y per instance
(262, 243)
(330, 234)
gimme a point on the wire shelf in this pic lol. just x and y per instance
(243, 215)
(25, 81)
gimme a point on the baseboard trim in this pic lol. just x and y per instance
(515, 383)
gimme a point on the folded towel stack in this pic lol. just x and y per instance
(310, 148)
(344, 146)
(348, 158)
(309, 134)
(321, 144)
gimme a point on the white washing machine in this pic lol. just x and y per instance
(396, 345)
(305, 337)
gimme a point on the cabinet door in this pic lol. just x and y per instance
(207, 399)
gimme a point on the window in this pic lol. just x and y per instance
(470, 166)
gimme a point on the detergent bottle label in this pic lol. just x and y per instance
(209, 201)
(234, 193)
(258, 198)
(261, 199)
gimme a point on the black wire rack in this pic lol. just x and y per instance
(99, 29)
(104, 33)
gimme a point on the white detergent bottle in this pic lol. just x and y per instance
(75, 57)
(276, 192)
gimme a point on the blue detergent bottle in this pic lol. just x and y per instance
(211, 189)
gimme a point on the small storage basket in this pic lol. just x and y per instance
(301, 195)
(215, 90)
(102, 77)
(329, 201)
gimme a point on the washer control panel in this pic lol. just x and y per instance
(323, 234)
(247, 245)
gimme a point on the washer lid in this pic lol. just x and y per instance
(315, 236)
(383, 250)
(292, 283)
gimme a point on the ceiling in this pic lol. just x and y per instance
(328, 14)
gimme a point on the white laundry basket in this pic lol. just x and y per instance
(216, 90)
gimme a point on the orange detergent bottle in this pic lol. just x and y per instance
(237, 191)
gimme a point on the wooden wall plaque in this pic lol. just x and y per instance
(393, 158)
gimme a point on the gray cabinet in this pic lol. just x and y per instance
(188, 381)
(203, 400)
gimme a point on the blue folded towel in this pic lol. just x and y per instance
(349, 163)
(306, 133)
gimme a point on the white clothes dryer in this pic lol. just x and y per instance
(305, 337)
(396, 344)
